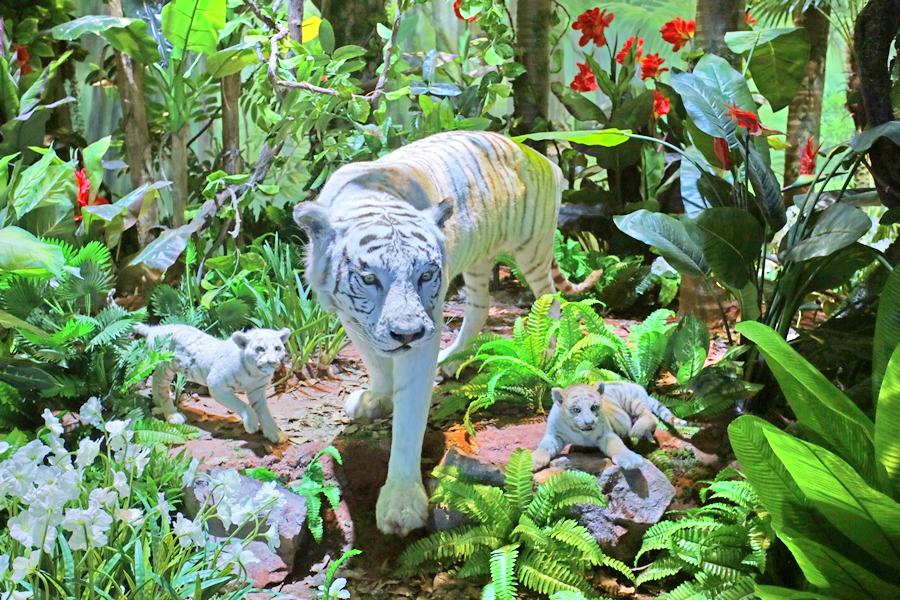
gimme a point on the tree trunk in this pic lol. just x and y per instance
(805, 110)
(130, 82)
(531, 90)
(179, 172)
(876, 29)
(295, 20)
(231, 123)
(714, 19)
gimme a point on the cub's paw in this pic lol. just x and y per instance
(176, 418)
(276, 436)
(402, 506)
(628, 460)
(362, 404)
(540, 458)
(251, 422)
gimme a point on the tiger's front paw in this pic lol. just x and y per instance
(176, 418)
(628, 460)
(363, 404)
(402, 506)
(276, 436)
(251, 422)
(540, 458)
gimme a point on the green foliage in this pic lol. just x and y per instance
(833, 495)
(517, 535)
(721, 545)
(313, 488)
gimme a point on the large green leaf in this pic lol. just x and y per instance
(767, 192)
(231, 60)
(778, 61)
(9, 321)
(866, 516)
(578, 105)
(835, 269)
(820, 407)
(45, 182)
(838, 226)
(597, 137)
(732, 239)
(887, 424)
(124, 213)
(863, 141)
(690, 347)
(772, 592)
(21, 252)
(193, 24)
(887, 329)
(669, 236)
(128, 36)
(162, 252)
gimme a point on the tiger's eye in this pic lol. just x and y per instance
(576, 410)
(369, 279)
(427, 276)
(595, 407)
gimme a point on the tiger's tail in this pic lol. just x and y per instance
(567, 287)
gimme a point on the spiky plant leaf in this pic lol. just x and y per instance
(519, 487)
(165, 301)
(503, 571)
(153, 432)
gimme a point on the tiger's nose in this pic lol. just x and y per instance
(408, 338)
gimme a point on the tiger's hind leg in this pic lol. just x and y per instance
(535, 268)
(477, 279)
(162, 382)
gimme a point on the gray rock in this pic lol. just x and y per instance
(290, 519)
(270, 568)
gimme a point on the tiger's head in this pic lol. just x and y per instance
(380, 265)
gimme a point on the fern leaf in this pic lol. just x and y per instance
(152, 432)
(547, 577)
(503, 571)
(659, 569)
(519, 485)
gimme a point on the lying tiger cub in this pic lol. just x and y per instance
(600, 416)
(388, 236)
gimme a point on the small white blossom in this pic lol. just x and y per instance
(91, 412)
(188, 532)
(88, 450)
(234, 552)
(33, 452)
(134, 458)
(4, 446)
(24, 566)
(17, 595)
(268, 498)
(162, 504)
(336, 589)
(4, 565)
(120, 484)
(188, 477)
(103, 498)
(34, 528)
(271, 537)
(119, 434)
(52, 423)
(132, 516)
(88, 527)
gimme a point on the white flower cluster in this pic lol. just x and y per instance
(45, 490)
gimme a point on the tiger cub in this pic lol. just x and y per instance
(599, 417)
(244, 362)
(387, 236)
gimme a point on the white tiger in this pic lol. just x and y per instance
(386, 238)
(244, 362)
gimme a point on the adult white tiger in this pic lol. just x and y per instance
(386, 238)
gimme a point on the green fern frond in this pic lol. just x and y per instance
(165, 301)
(503, 571)
(659, 569)
(153, 432)
(579, 540)
(476, 566)
(559, 488)
(545, 576)
(519, 487)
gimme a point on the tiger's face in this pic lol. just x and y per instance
(582, 407)
(379, 265)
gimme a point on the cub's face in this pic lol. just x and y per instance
(581, 407)
(262, 348)
(380, 267)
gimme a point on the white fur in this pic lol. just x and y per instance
(244, 362)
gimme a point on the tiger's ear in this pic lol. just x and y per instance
(240, 340)
(557, 395)
(601, 387)
(284, 333)
(313, 219)
(442, 211)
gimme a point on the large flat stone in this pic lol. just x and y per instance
(290, 519)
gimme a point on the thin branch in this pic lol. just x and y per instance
(271, 24)
(309, 87)
(386, 60)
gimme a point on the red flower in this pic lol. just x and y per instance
(84, 193)
(650, 66)
(459, 14)
(678, 32)
(593, 24)
(750, 21)
(808, 158)
(723, 152)
(661, 104)
(23, 59)
(746, 119)
(584, 81)
(623, 53)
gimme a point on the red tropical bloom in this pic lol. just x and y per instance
(678, 32)
(623, 53)
(723, 152)
(459, 14)
(650, 66)
(584, 81)
(746, 119)
(661, 104)
(748, 19)
(593, 24)
(84, 193)
(23, 59)
(808, 158)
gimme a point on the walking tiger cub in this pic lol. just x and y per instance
(387, 237)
